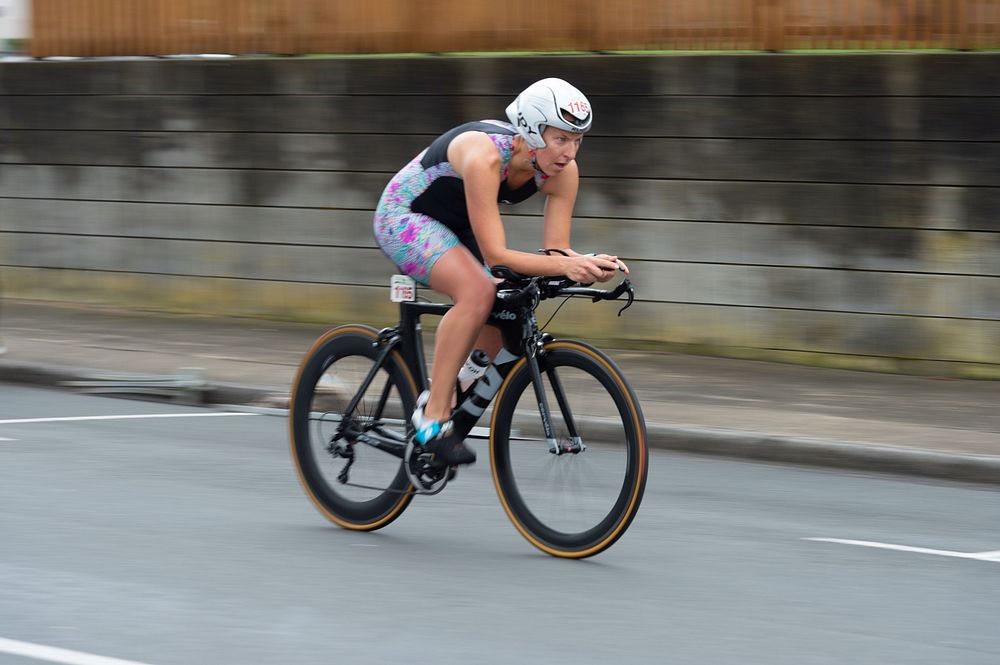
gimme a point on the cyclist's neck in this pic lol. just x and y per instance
(523, 166)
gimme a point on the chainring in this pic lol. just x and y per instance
(425, 476)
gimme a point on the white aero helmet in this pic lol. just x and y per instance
(552, 102)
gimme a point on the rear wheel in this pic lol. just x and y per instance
(579, 502)
(353, 484)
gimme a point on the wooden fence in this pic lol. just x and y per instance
(291, 27)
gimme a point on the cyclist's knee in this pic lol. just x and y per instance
(477, 295)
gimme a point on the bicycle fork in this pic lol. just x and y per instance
(482, 392)
(575, 444)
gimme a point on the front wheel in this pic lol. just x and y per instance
(573, 496)
(353, 484)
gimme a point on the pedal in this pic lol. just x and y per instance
(425, 476)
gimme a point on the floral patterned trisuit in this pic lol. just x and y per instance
(423, 213)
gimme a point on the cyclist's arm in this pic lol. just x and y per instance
(560, 197)
(559, 202)
(476, 159)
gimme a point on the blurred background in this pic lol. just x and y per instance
(804, 180)
(111, 27)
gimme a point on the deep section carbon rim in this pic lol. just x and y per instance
(325, 444)
(577, 503)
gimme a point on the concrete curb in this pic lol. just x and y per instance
(738, 444)
(854, 455)
(818, 452)
(36, 374)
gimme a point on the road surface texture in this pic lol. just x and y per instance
(186, 540)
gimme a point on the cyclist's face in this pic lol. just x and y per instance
(560, 149)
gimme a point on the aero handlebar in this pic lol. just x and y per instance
(520, 289)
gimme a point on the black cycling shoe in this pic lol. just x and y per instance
(450, 451)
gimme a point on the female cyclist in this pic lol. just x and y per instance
(439, 221)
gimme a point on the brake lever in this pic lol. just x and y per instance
(625, 286)
(631, 297)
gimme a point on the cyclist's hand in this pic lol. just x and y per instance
(608, 274)
(590, 269)
(618, 262)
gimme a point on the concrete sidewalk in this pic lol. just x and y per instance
(918, 425)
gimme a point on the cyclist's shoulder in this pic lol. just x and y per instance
(489, 127)
(500, 134)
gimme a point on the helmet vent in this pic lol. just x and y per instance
(575, 120)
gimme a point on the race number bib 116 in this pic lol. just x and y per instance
(402, 289)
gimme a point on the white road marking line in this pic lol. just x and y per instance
(980, 556)
(56, 655)
(20, 421)
(989, 556)
(258, 410)
(725, 398)
(3, 438)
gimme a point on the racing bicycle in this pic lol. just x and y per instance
(567, 439)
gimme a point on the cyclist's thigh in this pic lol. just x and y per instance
(414, 242)
(460, 275)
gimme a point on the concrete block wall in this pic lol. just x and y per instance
(840, 210)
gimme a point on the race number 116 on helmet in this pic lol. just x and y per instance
(550, 102)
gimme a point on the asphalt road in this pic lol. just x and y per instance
(187, 540)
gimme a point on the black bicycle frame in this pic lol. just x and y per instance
(517, 327)
(519, 331)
